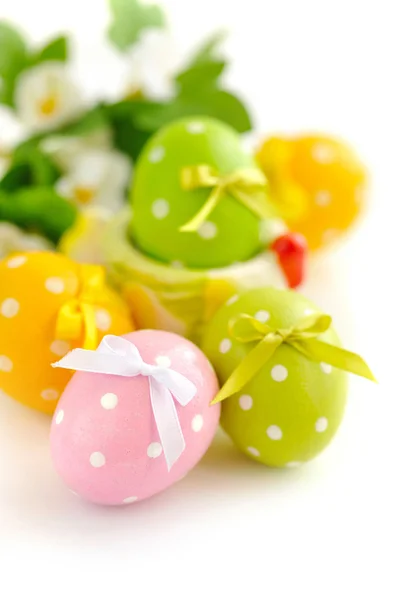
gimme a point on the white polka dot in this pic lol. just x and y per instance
(16, 261)
(197, 423)
(196, 127)
(274, 432)
(321, 424)
(253, 451)
(130, 500)
(9, 308)
(208, 230)
(160, 208)
(109, 401)
(154, 450)
(59, 417)
(326, 368)
(189, 355)
(262, 316)
(245, 402)
(293, 464)
(60, 347)
(323, 198)
(5, 364)
(97, 459)
(323, 153)
(225, 346)
(49, 394)
(55, 285)
(231, 300)
(308, 311)
(177, 264)
(156, 154)
(163, 361)
(279, 373)
(103, 319)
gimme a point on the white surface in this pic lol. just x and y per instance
(232, 528)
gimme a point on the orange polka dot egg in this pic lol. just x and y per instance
(49, 305)
(318, 184)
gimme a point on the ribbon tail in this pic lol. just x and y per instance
(204, 212)
(182, 389)
(167, 422)
(256, 202)
(69, 322)
(319, 351)
(90, 340)
(249, 367)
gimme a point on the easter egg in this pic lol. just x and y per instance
(317, 182)
(36, 288)
(105, 441)
(230, 233)
(289, 411)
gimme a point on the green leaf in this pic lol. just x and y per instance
(57, 49)
(13, 53)
(39, 209)
(95, 118)
(209, 51)
(228, 108)
(213, 103)
(200, 77)
(13, 59)
(29, 166)
(130, 17)
(127, 137)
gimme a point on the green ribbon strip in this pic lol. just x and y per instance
(302, 337)
(249, 186)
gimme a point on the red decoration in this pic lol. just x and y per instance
(291, 250)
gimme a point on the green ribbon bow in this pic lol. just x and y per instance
(301, 336)
(249, 186)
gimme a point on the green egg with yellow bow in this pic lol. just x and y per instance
(283, 375)
(198, 197)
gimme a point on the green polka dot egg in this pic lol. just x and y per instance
(292, 407)
(231, 233)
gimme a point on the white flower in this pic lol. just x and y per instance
(66, 149)
(46, 97)
(152, 64)
(13, 239)
(97, 178)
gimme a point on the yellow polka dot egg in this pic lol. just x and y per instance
(318, 183)
(49, 305)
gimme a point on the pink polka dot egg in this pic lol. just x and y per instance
(120, 438)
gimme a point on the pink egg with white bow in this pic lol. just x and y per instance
(134, 418)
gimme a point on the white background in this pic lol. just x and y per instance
(233, 528)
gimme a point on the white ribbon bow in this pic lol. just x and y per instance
(117, 356)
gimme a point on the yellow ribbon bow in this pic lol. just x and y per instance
(77, 316)
(248, 185)
(301, 336)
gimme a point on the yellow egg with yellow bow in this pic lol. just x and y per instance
(49, 305)
(318, 184)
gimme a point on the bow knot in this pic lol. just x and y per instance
(301, 336)
(117, 356)
(247, 185)
(77, 315)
